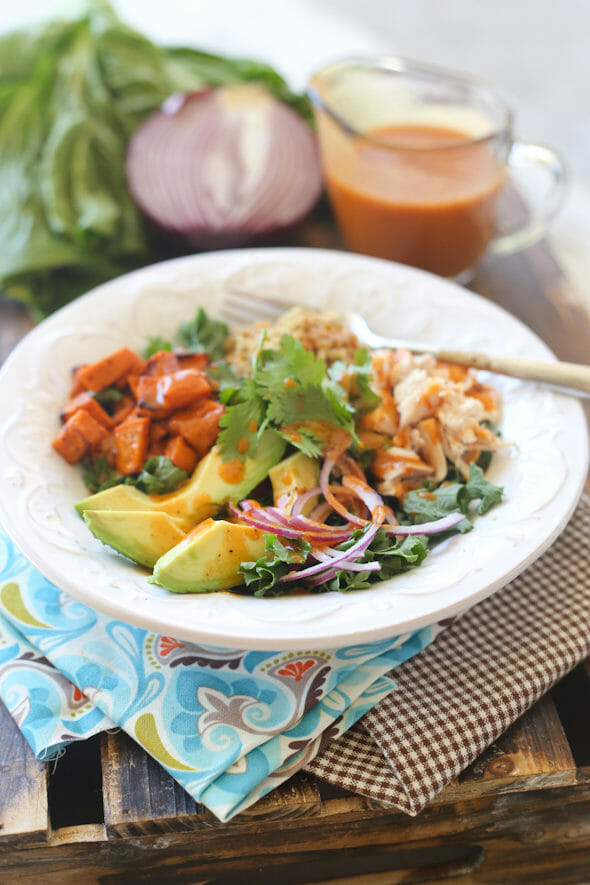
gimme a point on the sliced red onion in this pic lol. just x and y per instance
(351, 554)
(223, 167)
(369, 496)
(299, 527)
(427, 528)
(325, 472)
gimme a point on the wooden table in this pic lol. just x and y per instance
(521, 814)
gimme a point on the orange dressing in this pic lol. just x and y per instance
(242, 445)
(231, 472)
(410, 202)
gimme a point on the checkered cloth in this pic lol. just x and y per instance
(482, 673)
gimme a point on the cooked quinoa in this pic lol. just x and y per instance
(322, 333)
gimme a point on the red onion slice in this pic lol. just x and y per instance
(427, 528)
(225, 166)
(351, 554)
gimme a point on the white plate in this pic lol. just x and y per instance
(543, 474)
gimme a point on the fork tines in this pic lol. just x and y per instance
(240, 307)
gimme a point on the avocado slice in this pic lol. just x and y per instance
(213, 484)
(141, 535)
(297, 473)
(208, 557)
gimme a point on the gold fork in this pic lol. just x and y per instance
(241, 307)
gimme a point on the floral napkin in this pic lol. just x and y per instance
(229, 725)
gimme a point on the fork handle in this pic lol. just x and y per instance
(572, 378)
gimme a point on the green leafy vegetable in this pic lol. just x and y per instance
(108, 398)
(426, 504)
(71, 95)
(355, 379)
(98, 475)
(156, 344)
(289, 386)
(204, 335)
(159, 475)
(262, 576)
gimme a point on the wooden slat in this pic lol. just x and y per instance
(534, 753)
(23, 788)
(139, 797)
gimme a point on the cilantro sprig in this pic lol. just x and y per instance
(289, 390)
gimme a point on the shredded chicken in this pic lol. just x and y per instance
(438, 413)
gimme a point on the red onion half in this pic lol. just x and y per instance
(224, 167)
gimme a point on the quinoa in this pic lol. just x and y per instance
(321, 333)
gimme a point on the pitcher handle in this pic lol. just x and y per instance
(523, 154)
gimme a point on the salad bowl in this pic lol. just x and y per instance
(542, 471)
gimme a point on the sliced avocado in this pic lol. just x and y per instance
(213, 484)
(141, 535)
(297, 473)
(208, 557)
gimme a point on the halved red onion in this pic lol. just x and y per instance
(225, 166)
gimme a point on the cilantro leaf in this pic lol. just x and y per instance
(159, 475)
(262, 576)
(241, 427)
(354, 380)
(289, 387)
(108, 398)
(205, 335)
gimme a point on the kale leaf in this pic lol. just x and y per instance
(205, 335)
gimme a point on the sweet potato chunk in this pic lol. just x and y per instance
(86, 401)
(173, 391)
(199, 424)
(91, 429)
(131, 444)
(163, 362)
(70, 444)
(181, 454)
(107, 371)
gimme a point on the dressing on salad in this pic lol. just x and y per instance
(392, 449)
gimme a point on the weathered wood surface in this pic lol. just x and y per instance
(519, 814)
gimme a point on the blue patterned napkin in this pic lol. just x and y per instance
(229, 725)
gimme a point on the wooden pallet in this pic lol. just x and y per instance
(108, 813)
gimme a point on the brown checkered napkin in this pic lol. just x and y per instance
(482, 673)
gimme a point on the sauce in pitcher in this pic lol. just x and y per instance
(422, 195)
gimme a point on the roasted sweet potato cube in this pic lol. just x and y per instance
(192, 360)
(131, 444)
(181, 454)
(172, 391)
(86, 401)
(91, 429)
(77, 386)
(199, 424)
(163, 362)
(122, 409)
(107, 371)
(70, 444)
